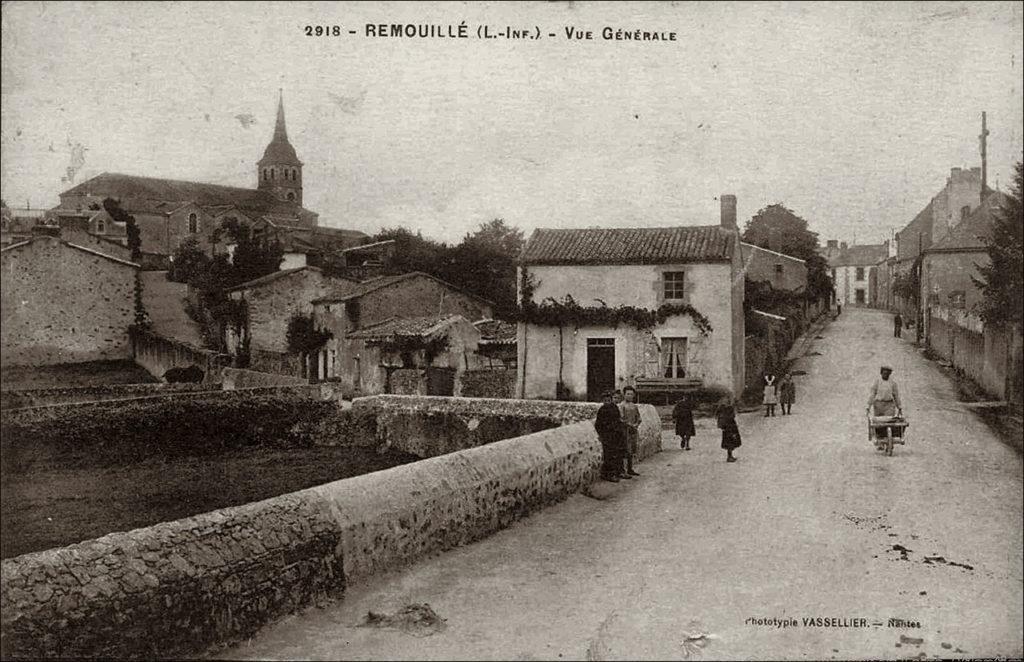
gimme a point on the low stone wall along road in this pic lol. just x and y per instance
(694, 559)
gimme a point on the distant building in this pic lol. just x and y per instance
(272, 300)
(369, 304)
(168, 211)
(949, 264)
(783, 272)
(701, 266)
(82, 315)
(852, 272)
(958, 198)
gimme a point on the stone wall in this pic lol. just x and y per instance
(173, 589)
(429, 426)
(489, 383)
(18, 399)
(235, 378)
(180, 588)
(158, 354)
(62, 304)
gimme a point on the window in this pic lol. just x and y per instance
(265, 176)
(271, 173)
(778, 268)
(101, 226)
(291, 195)
(673, 358)
(859, 297)
(193, 223)
(860, 274)
(674, 285)
(965, 212)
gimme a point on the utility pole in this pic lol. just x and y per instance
(983, 139)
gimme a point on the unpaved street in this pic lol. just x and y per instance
(812, 522)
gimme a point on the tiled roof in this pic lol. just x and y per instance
(154, 195)
(970, 233)
(861, 255)
(705, 243)
(269, 278)
(496, 332)
(405, 327)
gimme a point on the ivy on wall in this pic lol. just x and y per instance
(568, 312)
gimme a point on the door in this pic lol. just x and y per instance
(600, 367)
(860, 297)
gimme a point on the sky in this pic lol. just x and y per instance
(849, 114)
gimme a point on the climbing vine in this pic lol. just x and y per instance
(303, 336)
(568, 312)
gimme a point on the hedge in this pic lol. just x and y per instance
(115, 433)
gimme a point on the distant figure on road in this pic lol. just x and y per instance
(609, 431)
(787, 394)
(884, 400)
(730, 431)
(839, 309)
(771, 395)
(631, 419)
(682, 414)
(897, 326)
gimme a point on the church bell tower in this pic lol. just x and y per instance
(280, 170)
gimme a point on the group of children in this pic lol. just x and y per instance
(782, 393)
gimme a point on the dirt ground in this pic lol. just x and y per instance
(56, 506)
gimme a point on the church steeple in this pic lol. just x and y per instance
(280, 170)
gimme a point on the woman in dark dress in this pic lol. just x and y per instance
(682, 414)
(730, 431)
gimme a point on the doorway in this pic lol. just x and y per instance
(600, 367)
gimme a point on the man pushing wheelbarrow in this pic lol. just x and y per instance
(886, 425)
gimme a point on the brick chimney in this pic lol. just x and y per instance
(842, 246)
(833, 243)
(728, 211)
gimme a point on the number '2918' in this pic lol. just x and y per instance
(323, 30)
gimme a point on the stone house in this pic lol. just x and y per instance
(412, 356)
(783, 272)
(646, 268)
(62, 302)
(272, 300)
(373, 302)
(948, 265)
(852, 272)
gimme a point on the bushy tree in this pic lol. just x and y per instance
(189, 263)
(1002, 280)
(485, 263)
(253, 257)
(131, 228)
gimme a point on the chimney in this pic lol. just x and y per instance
(832, 243)
(728, 211)
(842, 246)
(983, 139)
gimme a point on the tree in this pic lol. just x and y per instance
(778, 229)
(189, 263)
(131, 228)
(1002, 280)
(252, 257)
(485, 263)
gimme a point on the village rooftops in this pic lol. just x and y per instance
(668, 245)
(374, 284)
(406, 327)
(970, 233)
(862, 255)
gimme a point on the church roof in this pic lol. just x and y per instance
(280, 151)
(154, 195)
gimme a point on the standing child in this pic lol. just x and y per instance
(730, 431)
(631, 419)
(787, 394)
(682, 414)
(770, 395)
